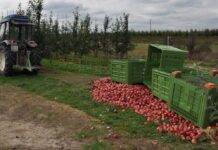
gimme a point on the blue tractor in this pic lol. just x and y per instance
(17, 48)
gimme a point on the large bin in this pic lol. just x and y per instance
(127, 71)
(193, 102)
(161, 84)
(163, 57)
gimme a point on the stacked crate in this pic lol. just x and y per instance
(127, 71)
(166, 58)
(185, 96)
(161, 84)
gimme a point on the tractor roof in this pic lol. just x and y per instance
(16, 19)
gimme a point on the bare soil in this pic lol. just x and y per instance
(31, 122)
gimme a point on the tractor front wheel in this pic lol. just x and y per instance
(6, 61)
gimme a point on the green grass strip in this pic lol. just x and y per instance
(72, 67)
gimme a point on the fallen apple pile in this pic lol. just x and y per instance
(141, 100)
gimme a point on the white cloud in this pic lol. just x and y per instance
(165, 14)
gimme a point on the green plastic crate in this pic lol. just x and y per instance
(161, 84)
(193, 102)
(163, 57)
(127, 71)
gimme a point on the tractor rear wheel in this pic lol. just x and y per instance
(6, 61)
(35, 58)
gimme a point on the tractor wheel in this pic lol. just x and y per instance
(7, 59)
(35, 58)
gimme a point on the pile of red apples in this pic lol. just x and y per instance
(140, 99)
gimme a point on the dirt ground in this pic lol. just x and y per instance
(31, 122)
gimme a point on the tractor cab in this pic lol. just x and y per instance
(17, 48)
(16, 27)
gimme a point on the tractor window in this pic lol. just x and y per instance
(26, 33)
(2, 30)
(19, 32)
(7, 31)
(14, 32)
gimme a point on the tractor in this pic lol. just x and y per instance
(17, 49)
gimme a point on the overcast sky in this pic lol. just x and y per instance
(165, 14)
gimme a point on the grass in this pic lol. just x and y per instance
(72, 67)
(202, 64)
(96, 146)
(88, 133)
(141, 44)
(79, 97)
(140, 51)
